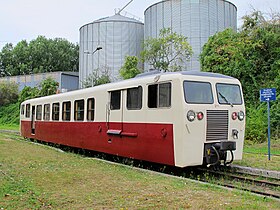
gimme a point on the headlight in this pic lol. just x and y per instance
(241, 115)
(191, 115)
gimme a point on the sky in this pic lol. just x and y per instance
(27, 19)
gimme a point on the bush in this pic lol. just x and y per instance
(8, 93)
(9, 114)
(256, 123)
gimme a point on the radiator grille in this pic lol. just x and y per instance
(217, 125)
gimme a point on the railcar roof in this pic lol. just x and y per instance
(192, 73)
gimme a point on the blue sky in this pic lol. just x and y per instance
(27, 19)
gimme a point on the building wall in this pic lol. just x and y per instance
(67, 80)
(195, 19)
(118, 36)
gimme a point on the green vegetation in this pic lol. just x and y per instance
(8, 93)
(38, 56)
(253, 56)
(96, 78)
(38, 177)
(168, 51)
(130, 69)
(255, 155)
(9, 115)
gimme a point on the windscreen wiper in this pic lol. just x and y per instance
(225, 99)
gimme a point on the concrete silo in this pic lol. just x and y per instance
(118, 36)
(195, 19)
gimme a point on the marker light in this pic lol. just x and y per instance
(241, 115)
(234, 116)
(199, 115)
(191, 115)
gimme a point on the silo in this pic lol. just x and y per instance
(195, 19)
(118, 36)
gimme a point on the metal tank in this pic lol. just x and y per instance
(195, 19)
(118, 36)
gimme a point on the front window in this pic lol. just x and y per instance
(229, 94)
(198, 92)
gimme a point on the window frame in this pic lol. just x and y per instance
(77, 112)
(39, 114)
(139, 98)
(66, 113)
(22, 112)
(47, 115)
(91, 111)
(230, 102)
(156, 98)
(194, 81)
(27, 110)
(55, 112)
(115, 106)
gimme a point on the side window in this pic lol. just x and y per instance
(22, 109)
(115, 102)
(134, 98)
(55, 111)
(79, 110)
(66, 111)
(47, 112)
(90, 109)
(159, 95)
(165, 95)
(39, 112)
(27, 113)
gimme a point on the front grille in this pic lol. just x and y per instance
(217, 125)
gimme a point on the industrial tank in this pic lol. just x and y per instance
(195, 19)
(118, 36)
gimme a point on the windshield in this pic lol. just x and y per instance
(198, 92)
(229, 94)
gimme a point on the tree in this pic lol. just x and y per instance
(8, 93)
(168, 51)
(28, 93)
(39, 56)
(97, 77)
(130, 69)
(48, 87)
(253, 56)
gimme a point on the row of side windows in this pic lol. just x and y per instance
(159, 96)
(44, 112)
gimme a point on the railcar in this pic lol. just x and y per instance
(179, 119)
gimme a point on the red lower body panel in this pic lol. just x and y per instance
(142, 141)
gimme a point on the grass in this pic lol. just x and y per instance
(255, 155)
(39, 177)
(14, 127)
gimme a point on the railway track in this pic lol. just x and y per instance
(253, 183)
(231, 177)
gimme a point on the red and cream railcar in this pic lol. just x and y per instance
(180, 119)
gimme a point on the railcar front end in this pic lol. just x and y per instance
(214, 121)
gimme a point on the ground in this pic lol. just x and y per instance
(40, 177)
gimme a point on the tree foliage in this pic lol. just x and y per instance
(48, 87)
(130, 69)
(168, 51)
(97, 77)
(252, 55)
(38, 56)
(8, 93)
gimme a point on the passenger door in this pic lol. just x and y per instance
(115, 112)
